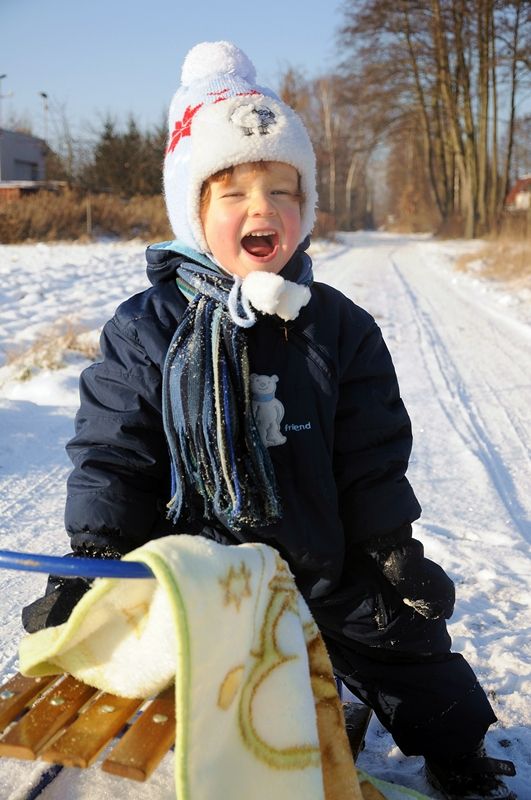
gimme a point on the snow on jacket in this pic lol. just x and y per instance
(325, 393)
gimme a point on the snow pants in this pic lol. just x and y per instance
(400, 664)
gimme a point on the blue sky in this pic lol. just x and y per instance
(121, 56)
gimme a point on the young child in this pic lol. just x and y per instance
(240, 400)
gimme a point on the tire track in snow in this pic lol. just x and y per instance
(469, 425)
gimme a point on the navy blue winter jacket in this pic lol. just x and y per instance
(341, 472)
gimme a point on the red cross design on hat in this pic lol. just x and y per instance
(182, 127)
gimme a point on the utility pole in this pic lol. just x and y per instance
(45, 113)
(1, 96)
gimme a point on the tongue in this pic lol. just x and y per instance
(258, 245)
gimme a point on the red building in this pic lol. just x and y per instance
(519, 198)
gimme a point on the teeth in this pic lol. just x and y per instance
(261, 233)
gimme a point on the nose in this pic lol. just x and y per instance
(261, 205)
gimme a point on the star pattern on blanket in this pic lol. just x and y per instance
(236, 585)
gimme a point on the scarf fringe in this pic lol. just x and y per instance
(221, 468)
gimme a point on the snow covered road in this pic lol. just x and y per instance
(462, 349)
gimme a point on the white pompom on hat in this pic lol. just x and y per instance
(210, 58)
(220, 118)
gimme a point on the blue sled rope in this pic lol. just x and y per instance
(74, 567)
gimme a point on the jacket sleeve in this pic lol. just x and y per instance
(372, 439)
(118, 488)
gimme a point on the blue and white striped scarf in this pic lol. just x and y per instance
(221, 470)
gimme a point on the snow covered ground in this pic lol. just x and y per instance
(462, 349)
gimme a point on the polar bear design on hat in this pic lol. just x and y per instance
(253, 119)
(268, 411)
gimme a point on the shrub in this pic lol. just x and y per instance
(49, 350)
(70, 215)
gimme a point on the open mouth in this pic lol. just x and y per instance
(261, 244)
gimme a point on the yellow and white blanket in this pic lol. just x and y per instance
(256, 704)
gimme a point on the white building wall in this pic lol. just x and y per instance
(522, 201)
(21, 157)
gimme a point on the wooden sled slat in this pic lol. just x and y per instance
(142, 747)
(17, 693)
(63, 721)
(49, 714)
(91, 732)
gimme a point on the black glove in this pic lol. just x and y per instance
(421, 583)
(61, 595)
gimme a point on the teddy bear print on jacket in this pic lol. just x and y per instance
(267, 409)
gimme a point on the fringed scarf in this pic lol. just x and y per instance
(221, 470)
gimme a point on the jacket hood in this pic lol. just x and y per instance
(164, 258)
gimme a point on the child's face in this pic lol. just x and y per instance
(253, 219)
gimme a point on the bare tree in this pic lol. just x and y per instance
(343, 141)
(515, 55)
(448, 62)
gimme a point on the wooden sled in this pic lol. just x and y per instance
(63, 721)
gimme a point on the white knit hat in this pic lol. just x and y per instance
(220, 118)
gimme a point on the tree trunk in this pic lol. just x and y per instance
(463, 87)
(424, 116)
(330, 144)
(446, 167)
(512, 104)
(494, 184)
(352, 172)
(484, 12)
(451, 111)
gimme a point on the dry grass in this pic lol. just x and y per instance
(504, 255)
(502, 259)
(50, 349)
(46, 217)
